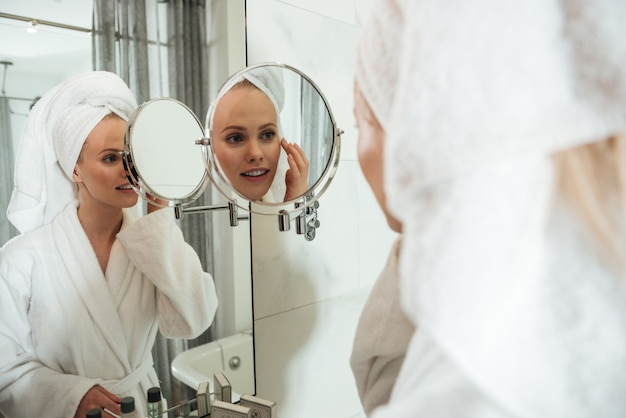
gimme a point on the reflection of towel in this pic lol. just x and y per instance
(52, 139)
(269, 79)
(474, 96)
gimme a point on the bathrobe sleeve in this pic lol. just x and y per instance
(381, 339)
(20, 368)
(186, 298)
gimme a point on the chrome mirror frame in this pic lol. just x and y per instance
(296, 206)
(137, 176)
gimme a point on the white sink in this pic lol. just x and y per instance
(233, 356)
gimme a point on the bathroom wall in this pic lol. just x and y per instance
(308, 295)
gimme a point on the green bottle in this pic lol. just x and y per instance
(155, 405)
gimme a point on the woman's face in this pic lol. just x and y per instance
(370, 146)
(99, 171)
(245, 139)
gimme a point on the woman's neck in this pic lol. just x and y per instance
(100, 221)
(101, 225)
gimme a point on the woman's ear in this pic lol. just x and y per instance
(76, 177)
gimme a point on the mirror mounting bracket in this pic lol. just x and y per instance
(284, 222)
(307, 222)
(180, 211)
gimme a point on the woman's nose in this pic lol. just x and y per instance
(254, 152)
(122, 169)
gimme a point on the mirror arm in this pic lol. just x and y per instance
(180, 211)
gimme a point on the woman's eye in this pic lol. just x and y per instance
(268, 135)
(234, 139)
(113, 158)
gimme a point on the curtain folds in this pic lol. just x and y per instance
(315, 123)
(7, 230)
(159, 48)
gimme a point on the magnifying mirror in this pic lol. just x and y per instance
(273, 143)
(271, 146)
(161, 159)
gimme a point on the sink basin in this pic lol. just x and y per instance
(233, 356)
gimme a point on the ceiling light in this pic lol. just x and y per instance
(32, 26)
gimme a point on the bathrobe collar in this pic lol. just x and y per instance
(88, 278)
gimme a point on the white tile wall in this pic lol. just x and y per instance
(308, 295)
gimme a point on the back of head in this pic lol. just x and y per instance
(460, 86)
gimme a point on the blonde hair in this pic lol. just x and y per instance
(592, 178)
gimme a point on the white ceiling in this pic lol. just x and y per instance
(50, 52)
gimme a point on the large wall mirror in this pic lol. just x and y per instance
(50, 42)
(172, 157)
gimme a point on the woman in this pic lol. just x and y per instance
(86, 286)
(383, 331)
(247, 140)
(502, 129)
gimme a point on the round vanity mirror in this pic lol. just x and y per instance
(273, 143)
(161, 157)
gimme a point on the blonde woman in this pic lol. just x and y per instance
(498, 131)
(87, 284)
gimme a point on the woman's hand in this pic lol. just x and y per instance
(98, 397)
(297, 176)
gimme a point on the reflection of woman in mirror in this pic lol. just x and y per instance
(87, 285)
(247, 139)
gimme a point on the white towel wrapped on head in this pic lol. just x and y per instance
(269, 79)
(52, 139)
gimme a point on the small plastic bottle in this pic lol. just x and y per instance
(94, 413)
(155, 405)
(127, 407)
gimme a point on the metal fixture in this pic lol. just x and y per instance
(234, 362)
(180, 211)
(307, 222)
(33, 22)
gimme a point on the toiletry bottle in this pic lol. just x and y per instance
(127, 406)
(94, 413)
(155, 408)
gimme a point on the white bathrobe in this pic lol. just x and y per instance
(382, 337)
(65, 326)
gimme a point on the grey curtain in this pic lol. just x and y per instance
(7, 230)
(317, 130)
(160, 49)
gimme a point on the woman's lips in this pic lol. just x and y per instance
(255, 173)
